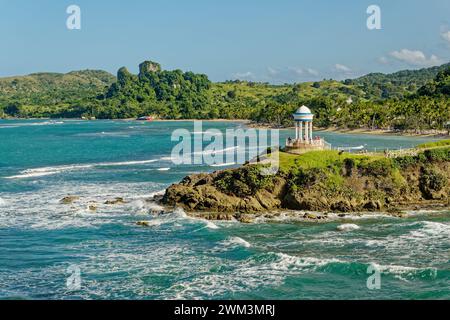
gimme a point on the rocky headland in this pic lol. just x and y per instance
(321, 182)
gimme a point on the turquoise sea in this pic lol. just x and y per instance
(44, 244)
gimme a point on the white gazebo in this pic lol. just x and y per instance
(304, 140)
(303, 119)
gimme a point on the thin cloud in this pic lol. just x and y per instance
(312, 72)
(244, 76)
(446, 36)
(290, 74)
(415, 58)
(342, 68)
(383, 60)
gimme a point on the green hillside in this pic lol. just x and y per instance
(395, 85)
(50, 91)
(410, 99)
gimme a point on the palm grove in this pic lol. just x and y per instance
(410, 99)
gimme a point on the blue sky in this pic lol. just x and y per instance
(276, 41)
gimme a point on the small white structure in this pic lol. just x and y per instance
(304, 140)
(303, 118)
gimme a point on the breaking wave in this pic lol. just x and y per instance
(46, 171)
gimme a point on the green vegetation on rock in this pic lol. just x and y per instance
(321, 181)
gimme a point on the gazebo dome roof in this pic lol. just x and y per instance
(303, 110)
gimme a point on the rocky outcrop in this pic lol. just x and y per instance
(69, 199)
(382, 185)
(117, 200)
(149, 67)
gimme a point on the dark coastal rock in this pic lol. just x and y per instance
(143, 223)
(69, 199)
(245, 219)
(115, 201)
(373, 205)
(240, 192)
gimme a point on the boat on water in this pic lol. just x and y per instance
(145, 118)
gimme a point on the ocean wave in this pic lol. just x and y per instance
(30, 124)
(223, 164)
(407, 273)
(117, 134)
(348, 227)
(287, 262)
(25, 175)
(46, 171)
(211, 225)
(236, 242)
(41, 209)
(3, 202)
(215, 151)
(163, 169)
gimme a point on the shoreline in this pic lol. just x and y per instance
(385, 132)
(255, 125)
(314, 216)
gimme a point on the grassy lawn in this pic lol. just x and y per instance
(320, 159)
(441, 143)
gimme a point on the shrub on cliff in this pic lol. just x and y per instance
(378, 168)
(243, 182)
(431, 181)
(440, 154)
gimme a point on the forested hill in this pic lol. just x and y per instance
(395, 85)
(417, 99)
(53, 89)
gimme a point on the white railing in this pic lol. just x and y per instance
(305, 143)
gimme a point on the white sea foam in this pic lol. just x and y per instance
(216, 151)
(348, 227)
(29, 124)
(157, 193)
(42, 208)
(288, 262)
(211, 225)
(46, 171)
(223, 164)
(33, 175)
(3, 202)
(233, 241)
(125, 163)
(163, 169)
(405, 272)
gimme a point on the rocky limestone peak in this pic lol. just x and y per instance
(149, 67)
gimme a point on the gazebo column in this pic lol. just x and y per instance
(301, 131)
(306, 134)
(311, 131)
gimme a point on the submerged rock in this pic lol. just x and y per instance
(245, 219)
(143, 223)
(69, 199)
(117, 200)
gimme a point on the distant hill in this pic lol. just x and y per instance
(404, 100)
(395, 85)
(54, 88)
